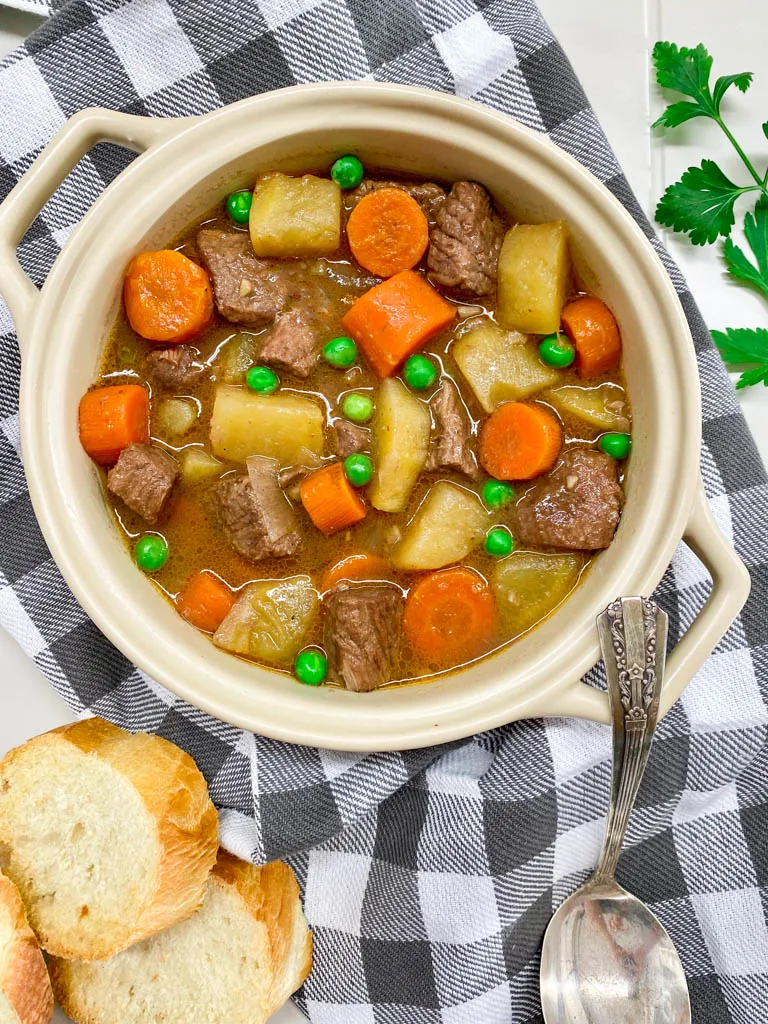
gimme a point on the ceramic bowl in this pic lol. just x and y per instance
(188, 165)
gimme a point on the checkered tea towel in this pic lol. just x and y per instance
(428, 876)
(41, 7)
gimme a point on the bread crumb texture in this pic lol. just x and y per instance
(109, 836)
(235, 961)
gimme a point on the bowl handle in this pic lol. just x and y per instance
(82, 131)
(730, 590)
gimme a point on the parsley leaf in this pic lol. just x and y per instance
(701, 203)
(742, 345)
(756, 233)
(757, 376)
(742, 82)
(687, 71)
(677, 113)
(764, 126)
(683, 69)
(740, 268)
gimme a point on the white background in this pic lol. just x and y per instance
(609, 44)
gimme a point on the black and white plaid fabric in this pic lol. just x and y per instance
(429, 876)
(41, 7)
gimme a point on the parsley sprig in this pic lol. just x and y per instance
(701, 204)
(745, 346)
(756, 232)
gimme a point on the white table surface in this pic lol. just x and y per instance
(609, 45)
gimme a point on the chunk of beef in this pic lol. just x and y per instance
(248, 291)
(279, 518)
(143, 477)
(427, 194)
(450, 447)
(362, 629)
(291, 345)
(255, 513)
(290, 477)
(464, 244)
(174, 367)
(576, 506)
(349, 438)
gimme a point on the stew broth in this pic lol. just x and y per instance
(190, 523)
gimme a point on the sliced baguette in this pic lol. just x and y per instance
(25, 989)
(236, 961)
(109, 836)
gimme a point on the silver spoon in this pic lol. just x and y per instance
(606, 959)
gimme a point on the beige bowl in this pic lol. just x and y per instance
(187, 165)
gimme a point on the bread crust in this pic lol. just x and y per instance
(175, 795)
(271, 895)
(24, 978)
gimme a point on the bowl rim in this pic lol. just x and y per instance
(326, 730)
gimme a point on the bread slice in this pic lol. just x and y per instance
(25, 990)
(109, 836)
(236, 961)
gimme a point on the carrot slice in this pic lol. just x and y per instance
(518, 441)
(361, 566)
(168, 298)
(592, 328)
(450, 616)
(205, 601)
(396, 317)
(387, 232)
(111, 418)
(330, 499)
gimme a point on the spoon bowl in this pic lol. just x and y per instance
(606, 959)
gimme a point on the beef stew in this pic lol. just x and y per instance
(363, 456)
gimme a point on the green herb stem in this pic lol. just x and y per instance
(761, 182)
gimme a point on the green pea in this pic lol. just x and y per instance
(419, 373)
(347, 172)
(358, 408)
(239, 206)
(556, 350)
(151, 552)
(311, 668)
(616, 445)
(340, 352)
(262, 379)
(497, 493)
(358, 469)
(499, 542)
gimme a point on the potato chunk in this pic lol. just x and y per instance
(283, 426)
(401, 430)
(175, 416)
(270, 619)
(197, 466)
(295, 216)
(236, 358)
(604, 407)
(533, 276)
(448, 524)
(501, 366)
(529, 585)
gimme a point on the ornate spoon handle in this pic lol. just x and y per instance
(633, 637)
